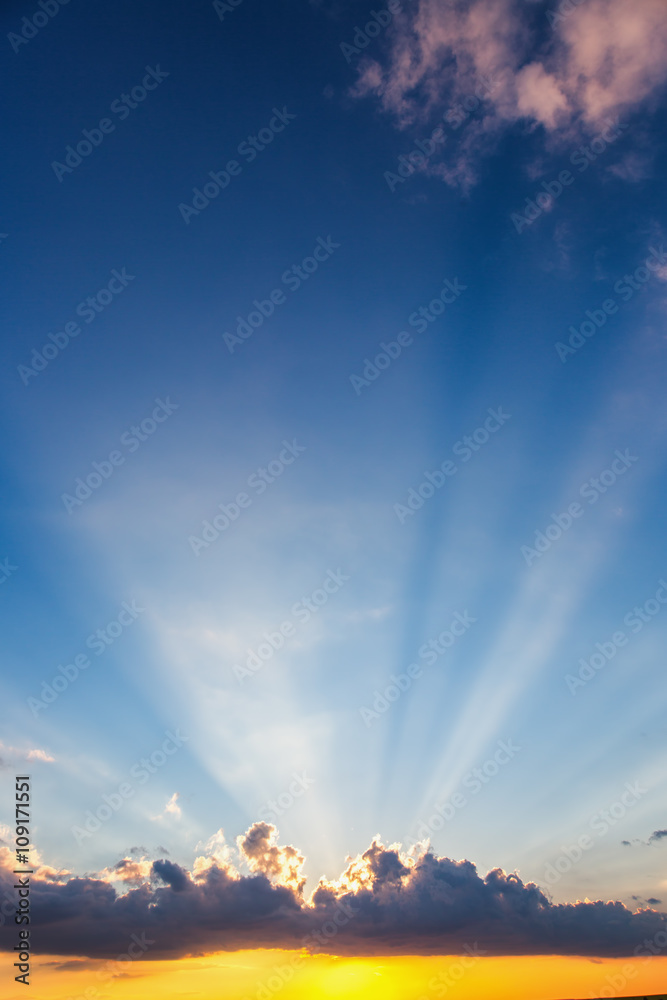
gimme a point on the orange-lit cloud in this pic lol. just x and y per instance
(262, 854)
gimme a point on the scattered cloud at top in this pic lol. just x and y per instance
(604, 60)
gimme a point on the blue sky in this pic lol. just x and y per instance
(320, 182)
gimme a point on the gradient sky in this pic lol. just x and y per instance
(360, 439)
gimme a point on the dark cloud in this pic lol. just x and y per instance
(70, 965)
(384, 903)
(656, 835)
(173, 875)
(651, 901)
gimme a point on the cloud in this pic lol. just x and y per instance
(633, 167)
(651, 901)
(128, 870)
(606, 59)
(539, 95)
(656, 835)
(71, 965)
(14, 755)
(393, 904)
(173, 875)
(171, 809)
(262, 854)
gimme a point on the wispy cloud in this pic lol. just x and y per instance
(605, 60)
(10, 755)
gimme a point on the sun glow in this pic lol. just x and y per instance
(265, 974)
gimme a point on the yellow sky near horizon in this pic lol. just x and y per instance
(264, 974)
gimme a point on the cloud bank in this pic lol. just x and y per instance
(384, 903)
(565, 73)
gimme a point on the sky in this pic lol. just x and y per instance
(332, 572)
